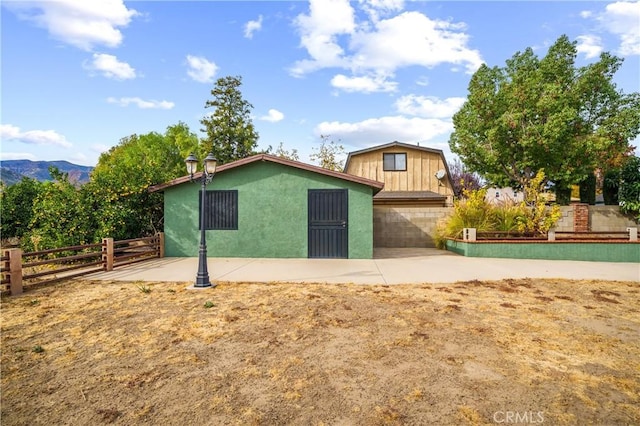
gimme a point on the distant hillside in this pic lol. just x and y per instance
(12, 171)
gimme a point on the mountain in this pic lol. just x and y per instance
(12, 171)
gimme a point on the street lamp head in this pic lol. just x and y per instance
(192, 164)
(210, 164)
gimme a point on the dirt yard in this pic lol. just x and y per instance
(531, 351)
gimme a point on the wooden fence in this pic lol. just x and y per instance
(48, 266)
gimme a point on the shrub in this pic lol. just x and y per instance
(473, 211)
(610, 186)
(537, 218)
(531, 216)
(629, 191)
(506, 216)
(588, 190)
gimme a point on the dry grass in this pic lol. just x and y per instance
(322, 354)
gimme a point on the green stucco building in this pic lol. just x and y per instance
(267, 206)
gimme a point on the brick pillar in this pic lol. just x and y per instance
(580, 217)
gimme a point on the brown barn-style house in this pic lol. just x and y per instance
(417, 191)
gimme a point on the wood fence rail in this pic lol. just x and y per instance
(20, 268)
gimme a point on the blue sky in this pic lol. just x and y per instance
(78, 75)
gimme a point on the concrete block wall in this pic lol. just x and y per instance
(600, 219)
(565, 223)
(406, 226)
(415, 226)
(609, 219)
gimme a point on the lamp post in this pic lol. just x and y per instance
(210, 163)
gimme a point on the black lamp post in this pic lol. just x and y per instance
(210, 163)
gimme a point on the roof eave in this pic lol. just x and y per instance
(375, 185)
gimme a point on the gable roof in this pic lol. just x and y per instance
(397, 144)
(375, 185)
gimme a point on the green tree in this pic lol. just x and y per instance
(60, 216)
(610, 187)
(328, 155)
(230, 134)
(546, 114)
(588, 190)
(16, 207)
(629, 189)
(118, 189)
(284, 153)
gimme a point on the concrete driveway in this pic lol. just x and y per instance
(389, 266)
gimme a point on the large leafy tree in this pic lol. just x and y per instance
(546, 114)
(60, 216)
(629, 193)
(16, 206)
(119, 183)
(230, 134)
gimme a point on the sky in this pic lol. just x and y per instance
(77, 76)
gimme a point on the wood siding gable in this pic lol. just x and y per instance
(422, 165)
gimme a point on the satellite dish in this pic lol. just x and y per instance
(440, 174)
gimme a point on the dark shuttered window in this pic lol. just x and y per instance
(222, 210)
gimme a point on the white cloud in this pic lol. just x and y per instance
(33, 137)
(412, 38)
(590, 45)
(200, 69)
(111, 67)
(428, 106)
(318, 34)
(273, 116)
(5, 156)
(141, 103)
(623, 19)
(334, 39)
(377, 8)
(80, 23)
(252, 26)
(385, 129)
(364, 84)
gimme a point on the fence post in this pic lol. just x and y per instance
(160, 236)
(633, 234)
(107, 253)
(15, 271)
(551, 235)
(469, 234)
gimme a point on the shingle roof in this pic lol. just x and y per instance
(377, 186)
